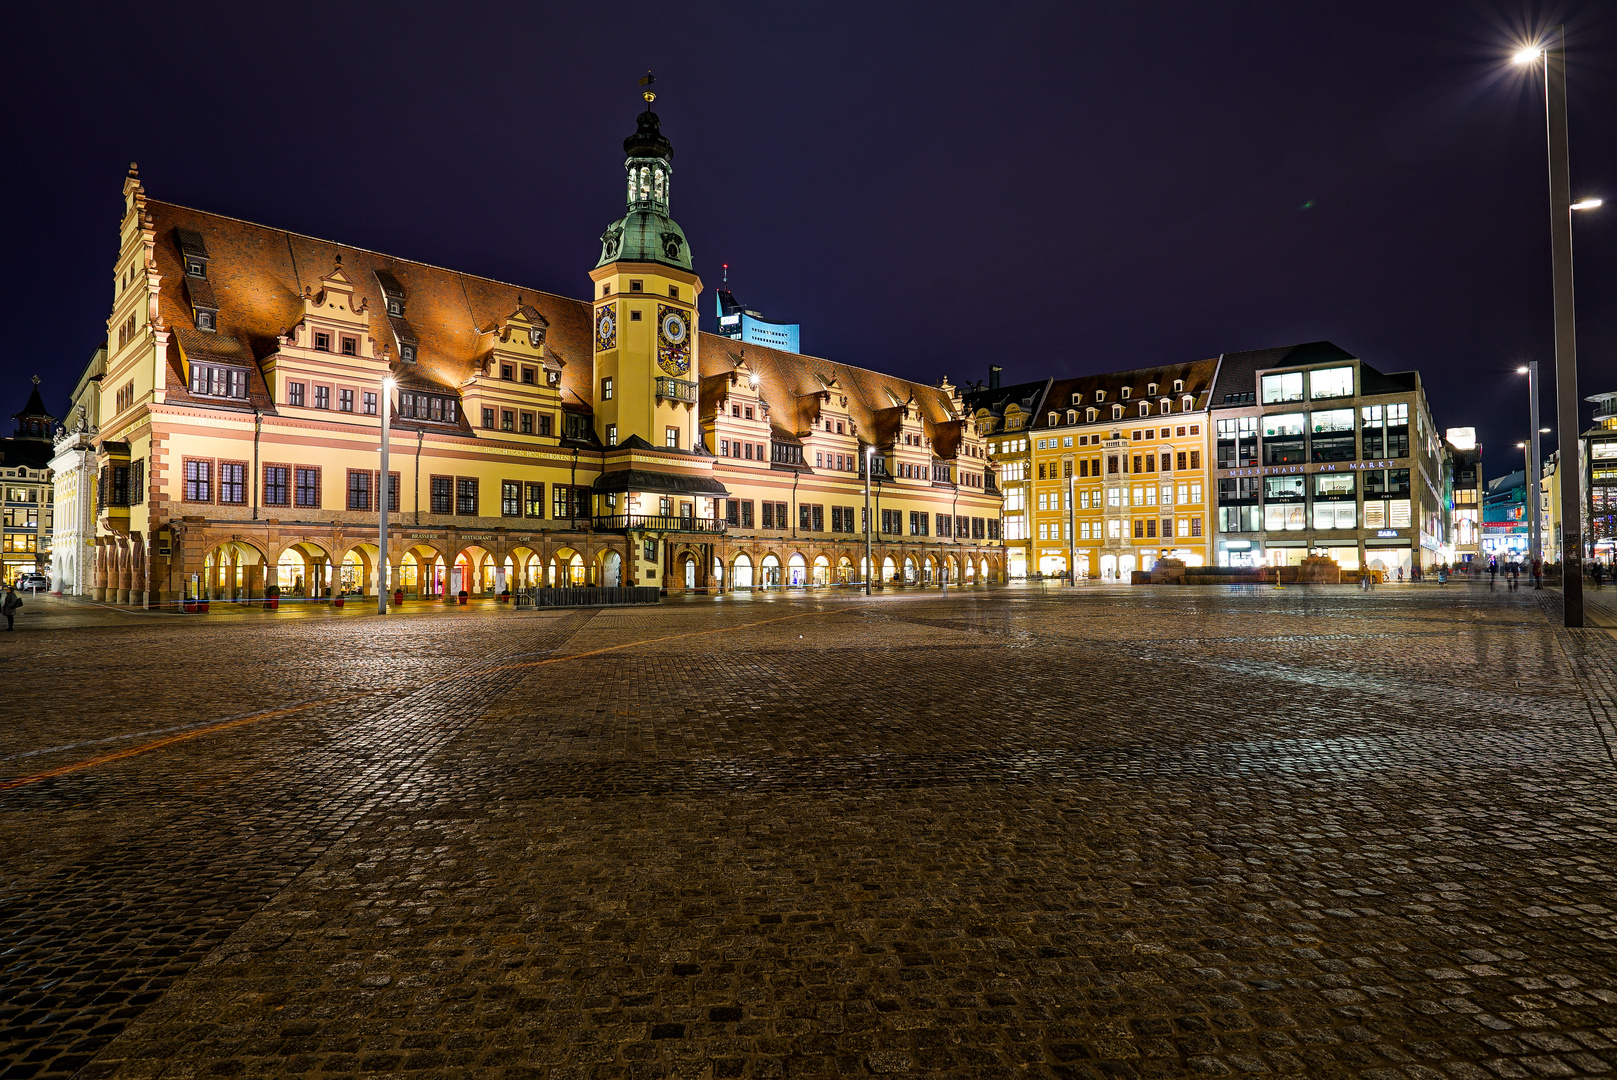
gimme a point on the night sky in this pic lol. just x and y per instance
(927, 188)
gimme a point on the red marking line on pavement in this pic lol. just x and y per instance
(242, 721)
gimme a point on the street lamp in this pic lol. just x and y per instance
(1552, 53)
(1535, 549)
(870, 463)
(383, 488)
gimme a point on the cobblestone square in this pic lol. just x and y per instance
(1092, 833)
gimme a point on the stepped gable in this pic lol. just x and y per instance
(257, 275)
(791, 382)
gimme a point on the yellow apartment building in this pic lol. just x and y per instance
(1120, 472)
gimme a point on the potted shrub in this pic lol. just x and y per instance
(202, 605)
(272, 596)
(398, 596)
(505, 595)
(336, 599)
(189, 606)
(463, 595)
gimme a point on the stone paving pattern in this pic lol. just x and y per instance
(1093, 833)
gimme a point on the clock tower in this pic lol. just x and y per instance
(644, 301)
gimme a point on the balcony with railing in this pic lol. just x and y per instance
(676, 390)
(660, 523)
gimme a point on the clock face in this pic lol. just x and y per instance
(606, 329)
(674, 327)
(674, 341)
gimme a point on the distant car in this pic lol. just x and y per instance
(32, 582)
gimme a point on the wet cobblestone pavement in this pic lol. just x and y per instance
(1103, 833)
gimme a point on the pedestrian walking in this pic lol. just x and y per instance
(1538, 573)
(1493, 572)
(1598, 572)
(9, 606)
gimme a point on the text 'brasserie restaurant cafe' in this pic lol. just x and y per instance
(1318, 453)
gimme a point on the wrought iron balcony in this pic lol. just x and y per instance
(660, 523)
(676, 389)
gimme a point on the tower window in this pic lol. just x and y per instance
(606, 388)
(634, 316)
(673, 292)
(637, 286)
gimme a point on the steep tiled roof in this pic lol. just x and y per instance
(790, 383)
(257, 275)
(1197, 378)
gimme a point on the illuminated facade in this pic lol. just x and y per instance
(1318, 453)
(1119, 472)
(1598, 463)
(1463, 455)
(1004, 416)
(74, 480)
(534, 438)
(25, 491)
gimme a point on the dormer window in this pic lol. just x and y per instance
(1179, 386)
(407, 353)
(1100, 395)
(205, 320)
(1072, 416)
(193, 252)
(1117, 412)
(196, 268)
(1126, 391)
(1151, 390)
(1167, 406)
(1054, 419)
(1077, 399)
(1188, 403)
(395, 307)
(553, 378)
(1145, 408)
(1091, 415)
(536, 337)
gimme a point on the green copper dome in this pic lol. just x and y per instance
(646, 233)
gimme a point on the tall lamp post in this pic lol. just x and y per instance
(383, 491)
(1535, 542)
(870, 463)
(1566, 350)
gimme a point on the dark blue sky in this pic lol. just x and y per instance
(928, 188)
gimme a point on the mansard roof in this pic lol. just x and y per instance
(1197, 377)
(258, 275)
(791, 384)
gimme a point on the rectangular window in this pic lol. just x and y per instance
(294, 393)
(1167, 528)
(359, 489)
(534, 504)
(466, 496)
(508, 372)
(1287, 386)
(611, 434)
(508, 420)
(978, 528)
(322, 397)
(345, 400)
(510, 498)
(527, 423)
(488, 417)
(746, 513)
(1330, 383)
(370, 403)
(392, 492)
(606, 388)
(1139, 528)
(276, 483)
(322, 342)
(306, 490)
(671, 437)
(350, 346)
(544, 423)
(1151, 528)
(732, 512)
(198, 480)
(441, 494)
(561, 502)
(1195, 526)
(233, 482)
(530, 375)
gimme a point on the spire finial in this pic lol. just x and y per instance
(36, 380)
(649, 94)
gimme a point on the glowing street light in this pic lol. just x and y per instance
(1551, 52)
(1587, 204)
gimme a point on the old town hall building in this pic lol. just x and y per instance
(535, 439)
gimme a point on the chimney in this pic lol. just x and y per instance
(993, 376)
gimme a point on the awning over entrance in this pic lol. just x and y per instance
(661, 483)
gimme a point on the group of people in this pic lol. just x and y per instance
(1512, 569)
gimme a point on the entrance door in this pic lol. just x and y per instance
(690, 573)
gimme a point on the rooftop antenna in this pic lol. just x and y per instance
(649, 95)
(727, 274)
